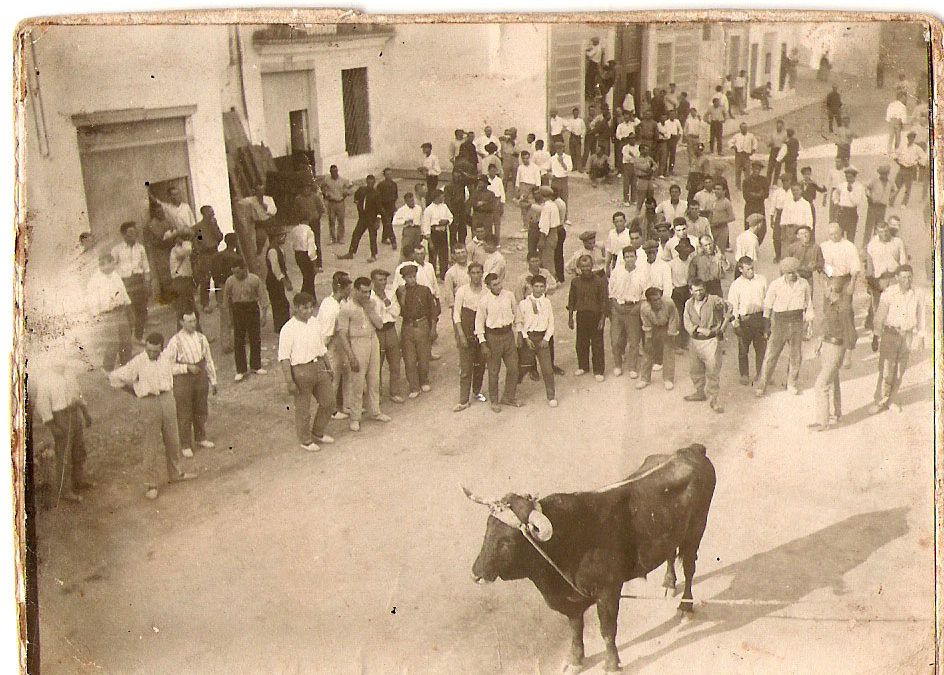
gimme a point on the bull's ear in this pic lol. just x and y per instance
(540, 526)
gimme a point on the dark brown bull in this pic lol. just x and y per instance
(597, 540)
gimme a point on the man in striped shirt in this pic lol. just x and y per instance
(189, 347)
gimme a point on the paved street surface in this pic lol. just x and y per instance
(817, 558)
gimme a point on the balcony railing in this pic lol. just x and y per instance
(290, 34)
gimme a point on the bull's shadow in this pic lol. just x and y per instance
(786, 573)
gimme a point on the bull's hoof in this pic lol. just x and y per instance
(687, 606)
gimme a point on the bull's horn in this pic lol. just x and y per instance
(540, 526)
(474, 498)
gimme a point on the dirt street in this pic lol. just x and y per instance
(357, 559)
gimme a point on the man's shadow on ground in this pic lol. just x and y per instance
(785, 574)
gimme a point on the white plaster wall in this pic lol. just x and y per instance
(86, 69)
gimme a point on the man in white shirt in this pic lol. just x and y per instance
(841, 260)
(797, 212)
(679, 233)
(560, 167)
(673, 207)
(788, 305)
(495, 322)
(744, 144)
(746, 298)
(577, 129)
(536, 326)
(178, 212)
(747, 243)
(884, 255)
(908, 158)
(132, 266)
(108, 301)
(430, 168)
(527, 180)
(481, 141)
(541, 157)
(327, 321)
(616, 240)
(556, 127)
(776, 202)
(409, 217)
(548, 227)
(851, 203)
(388, 308)
(302, 355)
(626, 290)
(190, 348)
(896, 117)
(629, 102)
(672, 128)
(656, 270)
(897, 320)
(306, 252)
(436, 220)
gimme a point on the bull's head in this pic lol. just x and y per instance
(505, 551)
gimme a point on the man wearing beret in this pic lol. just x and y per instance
(590, 248)
(787, 305)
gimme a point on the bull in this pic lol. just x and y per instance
(579, 548)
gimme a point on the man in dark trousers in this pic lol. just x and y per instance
(755, 189)
(368, 211)
(833, 106)
(387, 194)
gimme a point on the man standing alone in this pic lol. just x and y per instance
(368, 212)
(189, 349)
(495, 323)
(705, 317)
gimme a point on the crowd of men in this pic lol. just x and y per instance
(656, 278)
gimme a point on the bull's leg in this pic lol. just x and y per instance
(576, 638)
(607, 610)
(688, 567)
(670, 579)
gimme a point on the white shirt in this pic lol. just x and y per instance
(902, 308)
(388, 313)
(301, 343)
(303, 239)
(896, 110)
(746, 296)
(405, 215)
(616, 242)
(561, 165)
(542, 159)
(672, 127)
(746, 244)
(744, 142)
(105, 292)
(626, 128)
(778, 199)
(576, 126)
(180, 216)
(130, 259)
(854, 197)
(797, 212)
(841, 258)
(550, 216)
(557, 125)
(528, 173)
(911, 155)
(433, 214)
(629, 103)
(627, 286)
(431, 164)
(497, 187)
(657, 274)
(672, 211)
(630, 152)
(536, 314)
(886, 256)
(327, 318)
(481, 141)
(425, 276)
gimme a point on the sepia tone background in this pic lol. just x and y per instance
(277, 563)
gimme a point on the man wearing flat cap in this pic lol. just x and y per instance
(593, 249)
(788, 305)
(850, 202)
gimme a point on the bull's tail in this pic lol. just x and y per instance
(699, 448)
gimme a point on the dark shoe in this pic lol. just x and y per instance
(372, 258)
(346, 256)
(696, 396)
(744, 379)
(816, 426)
(534, 375)
(496, 408)
(558, 371)
(716, 406)
(513, 404)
